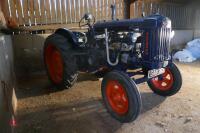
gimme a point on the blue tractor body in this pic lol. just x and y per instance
(116, 50)
(155, 39)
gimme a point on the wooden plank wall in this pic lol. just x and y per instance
(47, 12)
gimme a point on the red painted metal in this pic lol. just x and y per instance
(117, 97)
(54, 63)
(166, 82)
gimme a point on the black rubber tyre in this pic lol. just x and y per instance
(131, 93)
(69, 73)
(176, 83)
(102, 73)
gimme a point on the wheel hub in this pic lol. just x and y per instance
(117, 97)
(164, 82)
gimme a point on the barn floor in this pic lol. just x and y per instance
(80, 109)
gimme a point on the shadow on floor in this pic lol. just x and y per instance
(88, 117)
(38, 85)
(83, 116)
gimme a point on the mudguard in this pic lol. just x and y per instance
(71, 37)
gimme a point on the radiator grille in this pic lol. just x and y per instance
(163, 46)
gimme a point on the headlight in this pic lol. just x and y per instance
(167, 23)
(172, 34)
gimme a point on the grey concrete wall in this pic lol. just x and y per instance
(197, 33)
(181, 38)
(28, 53)
(6, 59)
(8, 101)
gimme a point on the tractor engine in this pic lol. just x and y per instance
(127, 44)
(122, 48)
(143, 42)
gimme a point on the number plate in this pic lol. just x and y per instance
(155, 72)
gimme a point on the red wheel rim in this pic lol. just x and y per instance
(54, 63)
(117, 97)
(166, 82)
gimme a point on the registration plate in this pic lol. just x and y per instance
(155, 72)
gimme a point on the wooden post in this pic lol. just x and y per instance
(2, 18)
(10, 21)
(130, 8)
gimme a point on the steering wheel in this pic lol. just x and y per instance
(89, 18)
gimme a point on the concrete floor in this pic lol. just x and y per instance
(42, 109)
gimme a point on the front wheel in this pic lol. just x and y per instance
(121, 96)
(167, 84)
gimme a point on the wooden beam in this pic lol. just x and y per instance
(49, 27)
(45, 28)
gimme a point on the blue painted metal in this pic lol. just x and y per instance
(155, 48)
(141, 80)
(69, 35)
(155, 40)
(150, 22)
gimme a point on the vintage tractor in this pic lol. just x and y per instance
(116, 50)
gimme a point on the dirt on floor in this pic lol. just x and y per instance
(42, 109)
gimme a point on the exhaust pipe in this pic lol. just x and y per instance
(113, 8)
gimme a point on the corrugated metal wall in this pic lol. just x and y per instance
(197, 19)
(182, 16)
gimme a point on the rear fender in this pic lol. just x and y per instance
(69, 35)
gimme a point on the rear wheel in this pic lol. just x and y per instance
(59, 61)
(167, 84)
(121, 96)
